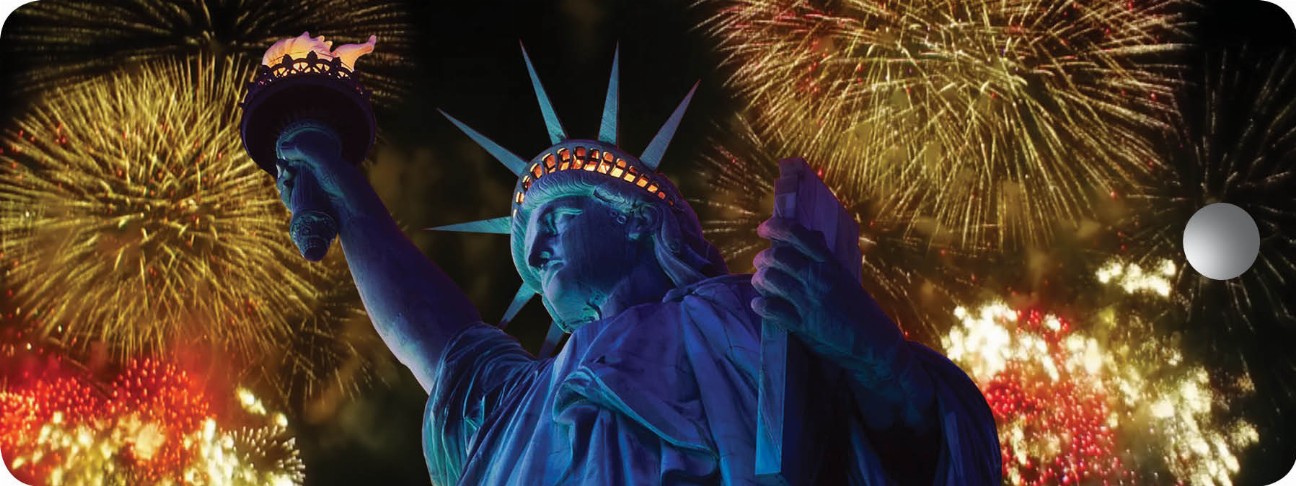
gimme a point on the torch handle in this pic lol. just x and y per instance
(313, 227)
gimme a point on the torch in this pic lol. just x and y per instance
(303, 82)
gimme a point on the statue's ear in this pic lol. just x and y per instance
(668, 231)
(644, 221)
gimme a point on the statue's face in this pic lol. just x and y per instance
(581, 252)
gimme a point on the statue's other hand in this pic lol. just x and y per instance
(805, 290)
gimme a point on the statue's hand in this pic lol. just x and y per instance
(313, 148)
(804, 289)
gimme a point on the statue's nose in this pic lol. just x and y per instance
(541, 250)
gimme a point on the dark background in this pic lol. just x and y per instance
(468, 63)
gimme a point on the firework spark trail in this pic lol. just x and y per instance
(1237, 147)
(909, 277)
(63, 42)
(740, 171)
(132, 216)
(1015, 114)
(1102, 399)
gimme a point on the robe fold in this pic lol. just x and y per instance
(662, 393)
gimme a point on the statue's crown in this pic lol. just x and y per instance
(601, 156)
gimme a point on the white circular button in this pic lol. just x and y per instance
(1221, 241)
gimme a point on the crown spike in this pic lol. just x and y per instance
(493, 226)
(608, 127)
(556, 133)
(520, 299)
(515, 164)
(657, 148)
(552, 338)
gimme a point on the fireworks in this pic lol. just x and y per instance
(334, 351)
(261, 455)
(67, 41)
(909, 276)
(1237, 146)
(154, 426)
(1055, 424)
(1012, 116)
(251, 456)
(740, 172)
(1132, 277)
(1105, 399)
(132, 216)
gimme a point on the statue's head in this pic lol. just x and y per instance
(585, 214)
(590, 217)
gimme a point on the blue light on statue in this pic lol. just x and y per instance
(657, 382)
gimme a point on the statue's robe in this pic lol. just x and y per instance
(665, 393)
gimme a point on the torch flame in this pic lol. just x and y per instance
(299, 47)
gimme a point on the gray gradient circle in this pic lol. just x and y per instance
(1221, 241)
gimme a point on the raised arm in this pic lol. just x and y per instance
(416, 308)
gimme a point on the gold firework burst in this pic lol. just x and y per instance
(1011, 115)
(132, 216)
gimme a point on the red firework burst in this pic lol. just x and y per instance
(1054, 414)
(146, 414)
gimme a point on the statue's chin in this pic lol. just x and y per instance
(573, 325)
(577, 317)
(568, 301)
(571, 316)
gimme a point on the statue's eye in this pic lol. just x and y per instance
(563, 218)
(558, 219)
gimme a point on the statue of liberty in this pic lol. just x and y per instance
(658, 381)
